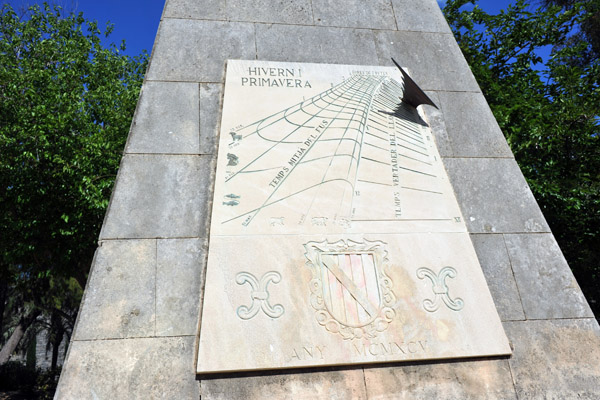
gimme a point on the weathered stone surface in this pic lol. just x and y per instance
(158, 196)
(345, 384)
(556, 359)
(471, 126)
(315, 44)
(119, 301)
(167, 119)
(422, 16)
(279, 11)
(434, 59)
(435, 119)
(269, 11)
(146, 368)
(547, 285)
(179, 276)
(193, 50)
(376, 14)
(493, 196)
(210, 107)
(482, 379)
(197, 9)
(495, 263)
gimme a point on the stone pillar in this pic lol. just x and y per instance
(136, 334)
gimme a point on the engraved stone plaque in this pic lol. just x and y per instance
(335, 236)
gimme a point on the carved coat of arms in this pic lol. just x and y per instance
(350, 291)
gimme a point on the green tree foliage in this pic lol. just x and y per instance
(589, 29)
(548, 110)
(66, 104)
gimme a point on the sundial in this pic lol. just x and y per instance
(335, 236)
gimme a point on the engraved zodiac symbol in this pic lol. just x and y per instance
(319, 221)
(236, 138)
(276, 221)
(232, 160)
(259, 294)
(440, 289)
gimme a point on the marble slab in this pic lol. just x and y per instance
(336, 237)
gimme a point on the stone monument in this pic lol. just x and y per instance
(288, 222)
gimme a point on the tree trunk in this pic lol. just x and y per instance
(3, 296)
(17, 335)
(58, 331)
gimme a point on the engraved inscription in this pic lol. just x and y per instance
(350, 291)
(440, 289)
(389, 348)
(308, 353)
(259, 295)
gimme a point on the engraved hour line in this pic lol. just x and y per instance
(301, 105)
(332, 96)
(414, 159)
(298, 126)
(363, 118)
(420, 190)
(409, 143)
(375, 183)
(399, 132)
(417, 172)
(359, 131)
(377, 147)
(403, 124)
(363, 123)
(363, 138)
(377, 161)
(288, 135)
(294, 167)
(303, 162)
(385, 102)
(356, 82)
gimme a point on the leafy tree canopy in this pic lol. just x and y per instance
(66, 104)
(548, 110)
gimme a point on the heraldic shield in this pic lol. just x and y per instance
(350, 291)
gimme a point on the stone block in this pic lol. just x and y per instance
(471, 126)
(557, 359)
(495, 263)
(269, 11)
(179, 276)
(434, 59)
(144, 368)
(420, 16)
(195, 51)
(375, 14)
(481, 379)
(197, 9)
(494, 196)
(315, 44)
(167, 119)
(210, 109)
(547, 285)
(119, 301)
(435, 119)
(159, 196)
(279, 11)
(300, 385)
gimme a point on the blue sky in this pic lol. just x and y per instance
(136, 21)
